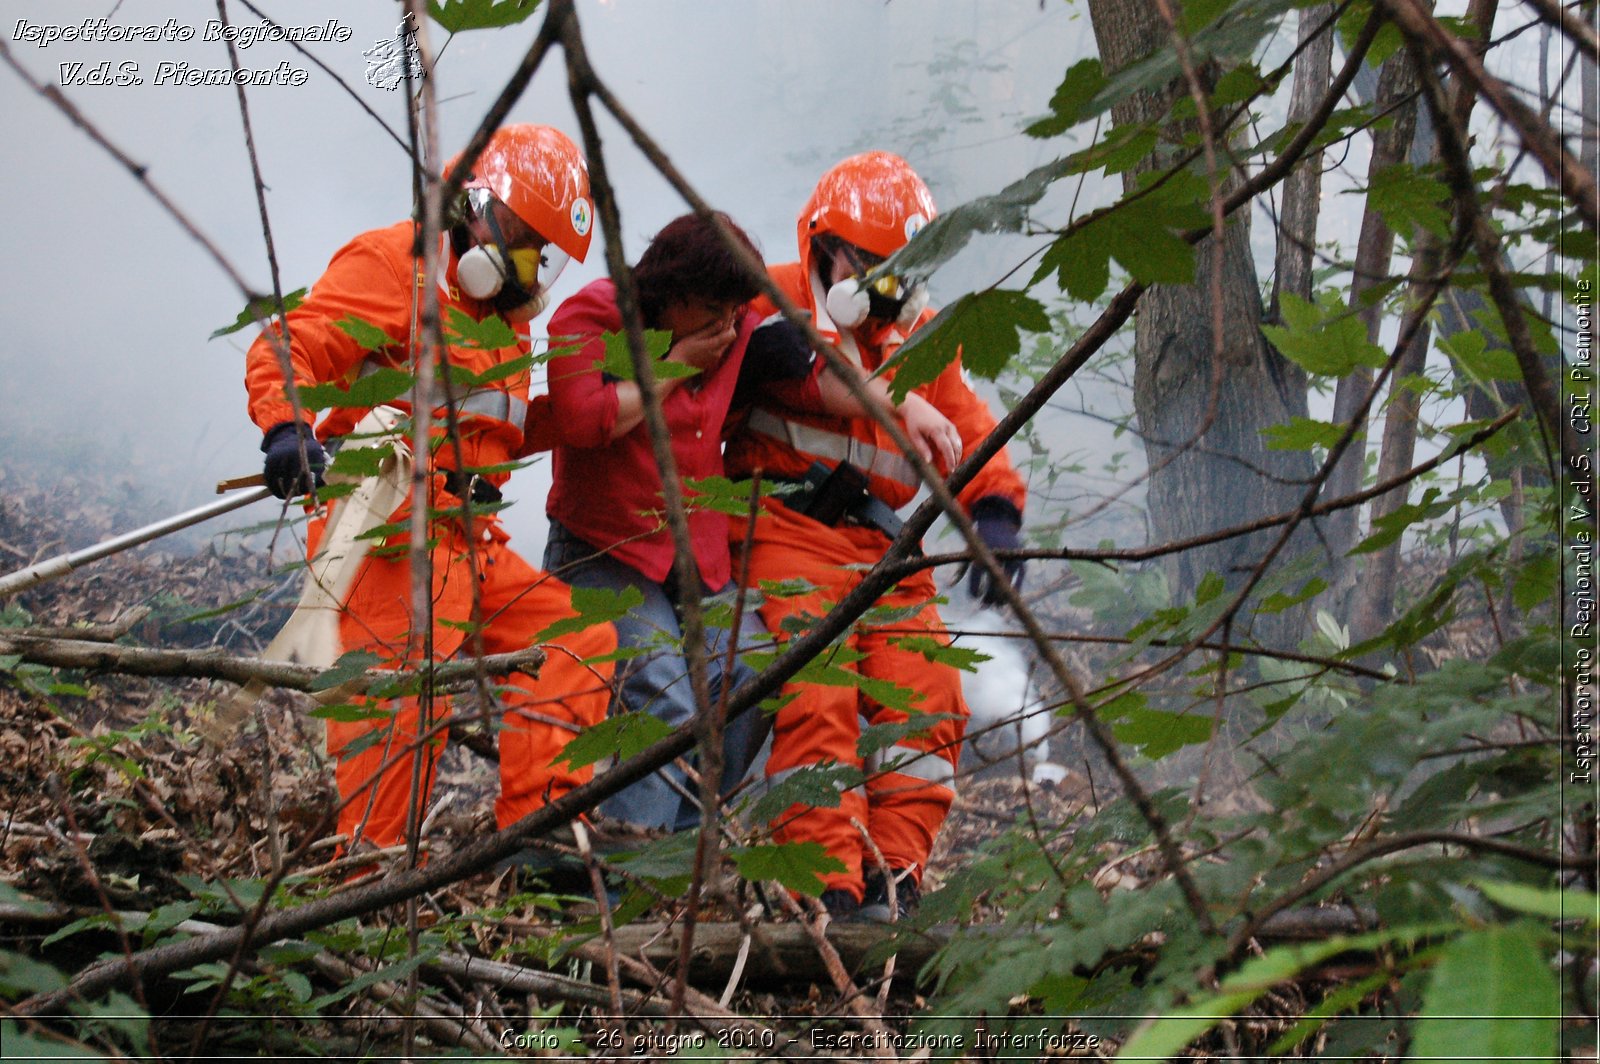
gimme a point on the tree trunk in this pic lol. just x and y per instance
(1395, 96)
(1373, 603)
(1202, 404)
(1302, 190)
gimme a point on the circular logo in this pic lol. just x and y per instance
(914, 225)
(582, 216)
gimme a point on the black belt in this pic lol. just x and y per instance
(464, 485)
(838, 496)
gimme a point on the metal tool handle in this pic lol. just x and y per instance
(61, 564)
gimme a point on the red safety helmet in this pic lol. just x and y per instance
(874, 201)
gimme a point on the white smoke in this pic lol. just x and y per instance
(1007, 713)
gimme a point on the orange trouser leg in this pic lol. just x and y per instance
(820, 723)
(516, 602)
(377, 802)
(907, 805)
(902, 811)
(544, 714)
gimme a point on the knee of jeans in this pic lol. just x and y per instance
(659, 687)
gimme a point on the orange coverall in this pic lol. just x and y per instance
(375, 279)
(902, 807)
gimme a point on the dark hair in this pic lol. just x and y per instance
(688, 260)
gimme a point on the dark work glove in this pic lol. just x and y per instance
(778, 353)
(286, 475)
(999, 525)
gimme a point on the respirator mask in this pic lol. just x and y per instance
(853, 300)
(515, 281)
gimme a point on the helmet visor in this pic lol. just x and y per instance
(552, 260)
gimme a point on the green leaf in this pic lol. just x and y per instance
(1005, 211)
(1238, 84)
(719, 494)
(618, 361)
(621, 736)
(818, 786)
(1124, 148)
(464, 378)
(1326, 339)
(1491, 997)
(1155, 733)
(1470, 351)
(368, 335)
(1345, 998)
(1279, 601)
(1302, 434)
(459, 15)
(346, 713)
(394, 973)
(1409, 199)
(29, 1046)
(1082, 269)
(1550, 903)
(879, 737)
(1390, 527)
(667, 858)
(351, 665)
(1143, 233)
(1536, 581)
(1177, 1028)
(374, 389)
(964, 658)
(96, 922)
(796, 865)
(260, 310)
(980, 327)
(592, 606)
(1083, 80)
(166, 917)
(358, 463)
(492, 333)
(1228, 35)
(831, 671)
(1139, 234)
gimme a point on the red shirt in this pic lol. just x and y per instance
(608, 492)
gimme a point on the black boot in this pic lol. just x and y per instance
(841, 904)
(875, 903)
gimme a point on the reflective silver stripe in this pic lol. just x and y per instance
(775, 778)
(485, 402)
(491, 402)
(822, 443)
(918, 764)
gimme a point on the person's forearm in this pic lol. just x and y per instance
(840, 401)
(630, 404)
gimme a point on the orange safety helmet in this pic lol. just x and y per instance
(874, 201)
(540, 174)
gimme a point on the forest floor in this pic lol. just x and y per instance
(112, 803)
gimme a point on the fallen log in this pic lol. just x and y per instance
(214, 664)
(783, 954)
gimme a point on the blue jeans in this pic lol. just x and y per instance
(657, 681)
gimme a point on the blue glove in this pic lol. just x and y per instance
(999, 525)
(286, 475)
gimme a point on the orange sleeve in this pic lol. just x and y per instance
(366, 281)
(955, 398)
